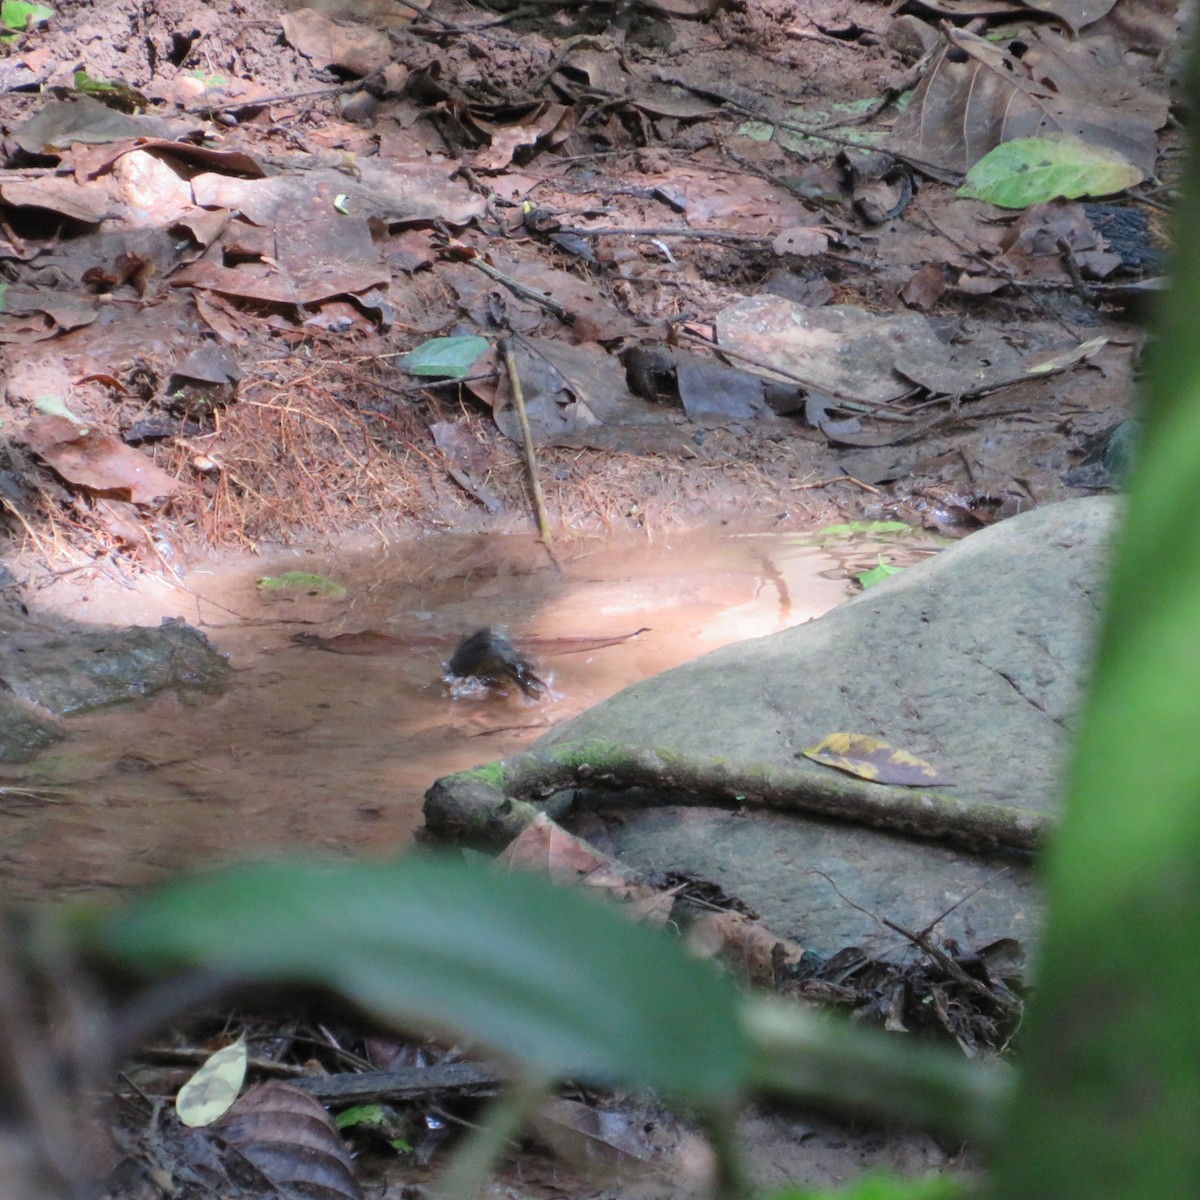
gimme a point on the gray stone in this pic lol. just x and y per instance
(52, 669)
(974, 660)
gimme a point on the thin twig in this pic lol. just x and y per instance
(866, 487)
(535, 484)
(524, 291)
(422, 11)
(709, 235)
(942, 959)
(883, 408)
(282, 98)
(995, 268)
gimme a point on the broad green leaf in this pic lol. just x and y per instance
(210, 1093)
(307, 582)
(848, 528)
(878, 573)
(1111, 1085)
(379, 1119)
(445, 358)
(20, 15)
(115, 93)
(558, 983)
(373, 1116)
(1029, 171)
(883, 1187)
(209, 80)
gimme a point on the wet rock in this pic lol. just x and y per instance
(51, 668)
(975, 660)
(23, 731)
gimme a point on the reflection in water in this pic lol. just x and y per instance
(333, 751)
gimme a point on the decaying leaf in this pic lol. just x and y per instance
(366, 641)
(549, 123)
(745, 944)
(741, 941)
(548, 849)
(97, 461)
(290, 1138)
(874, 759)
(978, 94)
(715, 394)
(574, 395)
(802, 240)
(593, 1138)
(840, 349)
(377, 641)
(211, 1091)
(60, 123)
(356, 49)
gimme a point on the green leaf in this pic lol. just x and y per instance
(445, 358)
(21, 15)
(878, 573)
(884, 1187)
(824, 117)
(1111, 1086)
(115, 93)
(373, 1116)
(93, 87)
(1029, 171)
(307, 582)
(559, 983)
(847, 528)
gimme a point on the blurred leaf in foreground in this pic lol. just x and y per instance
(555, 982)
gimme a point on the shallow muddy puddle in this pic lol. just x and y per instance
(308, 749)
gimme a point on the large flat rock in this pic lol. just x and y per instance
(975, 660)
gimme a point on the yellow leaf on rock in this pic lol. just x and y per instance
(871, 758)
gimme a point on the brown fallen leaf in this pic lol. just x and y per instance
(376, 641)
(740, 941)
(744, 943)
(97, 461)
(368, 641)
(290, 1138)
(554, 647)
(548, 849)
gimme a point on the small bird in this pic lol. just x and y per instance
(490, 657)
